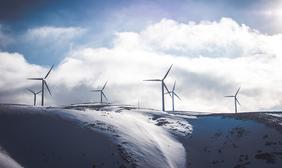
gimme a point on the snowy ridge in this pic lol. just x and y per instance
(275, 115)
(145, 142)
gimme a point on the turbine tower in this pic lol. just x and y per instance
(172, 93)
(163, 85)
(102, 94)
(34, 95)
(235, 100)
(44, 83)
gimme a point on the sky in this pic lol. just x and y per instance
(215, 48)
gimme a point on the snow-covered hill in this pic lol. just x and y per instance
(94, 135)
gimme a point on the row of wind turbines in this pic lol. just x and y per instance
(44, 84)
(171, 92)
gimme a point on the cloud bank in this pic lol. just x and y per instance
(211, 60)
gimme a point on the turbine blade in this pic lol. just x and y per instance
(238, 101)
(168, 92)
(104, 86)
(166, 89)
(31, 91)
(49, 72)
(47, 88)
(34, 78)
(38, 92)
(95, 90)
(153, 80)
(104, 96)
(167, 72)
(237, 91)
(174, 86)
(177, 96)
(229, 96)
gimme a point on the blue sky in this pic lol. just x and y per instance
(102, 19)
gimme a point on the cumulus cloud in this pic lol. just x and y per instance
(211, 60)
(14, 71)
(54, 34)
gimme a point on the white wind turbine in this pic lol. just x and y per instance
(163, 85)
(43, 84)
(172, 93)
(235, 100)
(34, 95)
(102, 94)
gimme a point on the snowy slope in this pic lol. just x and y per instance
(7, 162)
(94, 135)
(146, 140)
(142, 140)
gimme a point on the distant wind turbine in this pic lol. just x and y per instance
(34, 95)
(163, 86)
(102, 94)
(172, 92)
(235, 100)
(44, 83)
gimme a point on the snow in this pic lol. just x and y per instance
(275, 115)
(6, 161)
(151, 138)
(150, 144)
(176, 126)
(278, 115)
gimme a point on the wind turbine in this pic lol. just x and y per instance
(235, 100)
(34, 95)
(172, 92)
(44, 83)
(163, 86)
(102, 94)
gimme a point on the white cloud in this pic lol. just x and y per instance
(211, 59)
(54, 33)
(14, 71)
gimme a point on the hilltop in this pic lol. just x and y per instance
(107, 135)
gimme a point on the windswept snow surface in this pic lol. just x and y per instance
(276, 115)
(145, 137)
(147, 142)
(7, 162)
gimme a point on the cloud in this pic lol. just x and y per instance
(14, 71)
(211, 59)
(54, 34)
